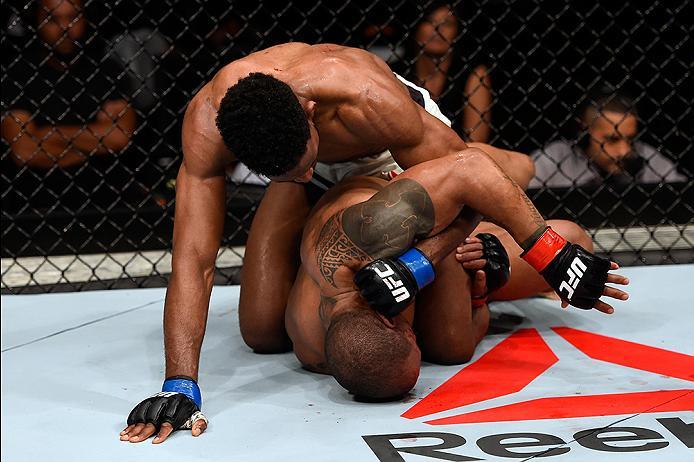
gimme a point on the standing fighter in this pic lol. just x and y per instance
(280, 111)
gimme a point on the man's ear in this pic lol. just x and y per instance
(310, 109)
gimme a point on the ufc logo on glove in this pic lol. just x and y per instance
(395, 285)
(575, 273)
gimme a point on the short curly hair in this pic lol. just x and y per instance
(263, 124)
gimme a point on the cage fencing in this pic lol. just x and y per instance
(93, 96)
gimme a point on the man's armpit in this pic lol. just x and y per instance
(389, 222)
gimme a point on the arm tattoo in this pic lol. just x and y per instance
(534, 213)
(334, 248)
(385, 225)
(389, 222)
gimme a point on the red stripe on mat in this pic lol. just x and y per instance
(579, 406)
(505, 369)
(630, 354)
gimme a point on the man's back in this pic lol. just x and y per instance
(356, 96)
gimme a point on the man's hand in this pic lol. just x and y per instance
(611, 292)
(177, 407)
(486, 259)
(486, 252)
(389, 285)
(163, 413)
(576, 275)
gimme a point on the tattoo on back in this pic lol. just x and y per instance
(385, 225)
(334, 248)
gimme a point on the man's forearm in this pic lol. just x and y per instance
(437, 247)
(90, 138)
(185, 319)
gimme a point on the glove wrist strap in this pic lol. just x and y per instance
(543, 251)
(184, 385)
(419, 265)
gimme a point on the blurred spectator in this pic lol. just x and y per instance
(606, 151)
(139, 51)
(381, 33)
(210, 42)
(65, 100)
(439, 64)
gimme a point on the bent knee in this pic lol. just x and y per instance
(265, 337)
(572, 232)
(268, 344)
(450, 356)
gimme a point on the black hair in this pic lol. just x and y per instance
(263, 124)
(606, 98)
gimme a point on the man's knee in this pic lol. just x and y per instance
(572, 232)
(267, 343)
(451, 353)
(264, 335)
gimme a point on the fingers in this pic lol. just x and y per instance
(604, 307)
(469, 256)
(124, 435)
(617, 279)
(479, 284)
(474, 265)
(615, 293)
(199, 427)
(141, 432)
(164, 432)
(131, 430)
(613, 265)
(471, 247)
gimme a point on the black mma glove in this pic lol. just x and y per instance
(498, 268)
(178, 404)
(389, 285)
(575, 274)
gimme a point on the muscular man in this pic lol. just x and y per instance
(288, 112)
(335, 331)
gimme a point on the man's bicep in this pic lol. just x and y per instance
(199, 219)
(389, 222)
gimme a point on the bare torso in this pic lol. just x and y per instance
(313, 298)
(361, 107)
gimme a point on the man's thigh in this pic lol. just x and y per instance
(448, 328)
(270, 265)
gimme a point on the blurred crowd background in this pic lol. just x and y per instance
(600, 95)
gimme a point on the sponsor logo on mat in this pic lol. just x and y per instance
(521, 358)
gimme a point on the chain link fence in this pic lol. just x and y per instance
(93, 94)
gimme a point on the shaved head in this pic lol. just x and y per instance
(369, 357)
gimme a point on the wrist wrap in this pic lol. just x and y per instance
(543, 251)
(185, 385)
(419, 265)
